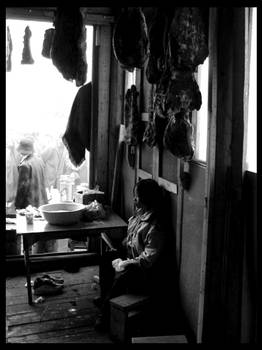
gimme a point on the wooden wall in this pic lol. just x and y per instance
(206, 220)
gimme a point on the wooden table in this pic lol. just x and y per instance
(112, 225)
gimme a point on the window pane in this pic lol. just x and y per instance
(251, 153)
(130, 79)
(200, 123)
(38, 103)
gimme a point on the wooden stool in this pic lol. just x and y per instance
(126, 312)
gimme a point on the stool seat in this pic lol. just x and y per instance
(129, 301)
(174, 339)
(126, 313)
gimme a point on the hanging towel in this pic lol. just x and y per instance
(78, 132)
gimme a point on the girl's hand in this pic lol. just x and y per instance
(123, 264)
(116, 262)
(119, 264)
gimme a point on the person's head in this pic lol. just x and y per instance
(148, 194)
(26, 146)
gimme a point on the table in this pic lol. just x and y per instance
(113, 225)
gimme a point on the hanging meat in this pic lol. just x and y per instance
(27, 55)
(153, 73)
(178, 136)
(133, 124)
(9, 49)
(69, 44)
(187, 40)
(149, 136)
(158, 44)
(130, 39)
(48, 42)
(182, 93)
(157, 123)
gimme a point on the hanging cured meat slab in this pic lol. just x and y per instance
(187, 41)
(130, 39)
(183, 92)
(158, 33)
(48, 42)
(69, 44)
(178, 136)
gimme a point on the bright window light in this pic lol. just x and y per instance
(38, 98)
(37, 95)
(130, 79)
(251, 153)
(201, 115)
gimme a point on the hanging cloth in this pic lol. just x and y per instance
(9, 49)
(78, 132)
(27, 55)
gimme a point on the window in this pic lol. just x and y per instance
(199, 118)
(251, 137)
(130, 79)
(38, 103)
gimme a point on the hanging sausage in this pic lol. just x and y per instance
(27, 55)
(9, 49)
(132, 119)
(130, 39)
(149, 136)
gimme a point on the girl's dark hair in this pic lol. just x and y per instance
(150, 193)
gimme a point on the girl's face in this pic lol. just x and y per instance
(136, 200)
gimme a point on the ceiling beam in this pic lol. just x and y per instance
(92, 15)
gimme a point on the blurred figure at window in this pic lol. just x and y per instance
(57, 163)
(31, 189)
(51, 158)
(12, 161)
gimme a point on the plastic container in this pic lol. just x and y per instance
(66, 188)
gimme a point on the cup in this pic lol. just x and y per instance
(29, 218)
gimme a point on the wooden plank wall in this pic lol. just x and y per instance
(99, 156)
(225, 227)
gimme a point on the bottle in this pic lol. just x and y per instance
(63, 189)
(70, 188)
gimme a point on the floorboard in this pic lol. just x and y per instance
(68, 317)
(65, 318)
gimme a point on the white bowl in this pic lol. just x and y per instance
(63, 213)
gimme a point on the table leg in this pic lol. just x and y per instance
(27, 270)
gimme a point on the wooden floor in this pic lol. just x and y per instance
(65, 318)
